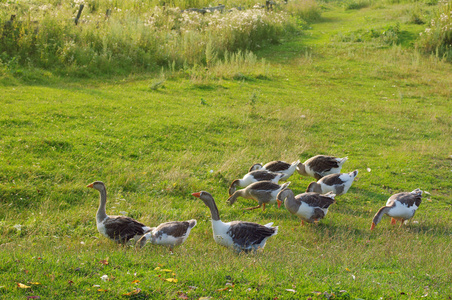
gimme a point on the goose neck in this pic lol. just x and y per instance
(379, 214)
(213, 209)
(101, 211)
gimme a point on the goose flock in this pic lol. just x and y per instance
(261, 183)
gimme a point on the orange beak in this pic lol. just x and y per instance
(197, 195)
(372, 226)
(279, 202)
(90, 185)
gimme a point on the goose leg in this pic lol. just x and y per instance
(401, 222)
(263, 206)
(393, 221)
(251, 208)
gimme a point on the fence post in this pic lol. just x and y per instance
(79, 13)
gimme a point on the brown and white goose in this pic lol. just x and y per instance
(401, 206)
(309, 207)
(321, 165)
(277, 167)
(336, 183)
(239, 235)
(264, 192)
(255, 176)
(169, 234)
(117, 228)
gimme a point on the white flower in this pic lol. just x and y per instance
(18, 227)
(104, 277)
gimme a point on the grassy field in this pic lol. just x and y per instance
(342, 88)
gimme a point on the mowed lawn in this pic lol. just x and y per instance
(387, 108)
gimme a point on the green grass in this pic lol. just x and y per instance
(385, 106)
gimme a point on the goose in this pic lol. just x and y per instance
(401, 206)
(255, 176)
(277, 167)
(321, 165)
(169, 234)
(119, 229)
(262, 191)
(309, 207)
(336, 183)
(238, 235)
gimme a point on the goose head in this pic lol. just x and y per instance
(97, 185)
(206, 197)
(282, 196)
(208, 200)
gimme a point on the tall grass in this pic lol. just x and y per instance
(437, 36)
(307, 10)
(132, 37)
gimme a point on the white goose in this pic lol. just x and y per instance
(239, 235)
(264, 192)
(401, 206)
(169, 234)
(309, 207)
(277, 167)
(117, 228)
(336, 183)
(255, 176)
(321, 165)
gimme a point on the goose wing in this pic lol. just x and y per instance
(315, 200)
(322, 163)
(276, 166)
(262, 175)
(407, 199)
(247, 234)
(332, 179)
(174, 228)
(122, 229)
(263, 187)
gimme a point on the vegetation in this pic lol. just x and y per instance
(131, 36)
(437, 37)
(156, 138)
